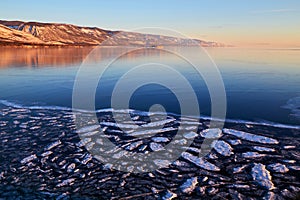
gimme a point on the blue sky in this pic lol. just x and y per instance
(237, 22)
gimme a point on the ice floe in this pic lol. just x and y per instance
(161, 163)
(289, 147)
(278, 167)
(119, 125)
(252, 155)
(190, 135)
(28, 159)
(289, 161)
(83, 142)
(262, 176)
(266, 149)
(160, 139)
(189, 185)
(250, 137)
(47, 153)
(86, 159)
(297, 168)
(193, 149)
(66, 182)
(211, 133)
(222, 148)
(156, 147)
(180, 142)
(134, 145)
(71, 167)
(200, 162)
(158, 123)
(88, 129)
(235, 142)
(52, 145)
(169, 195)
(239, 169)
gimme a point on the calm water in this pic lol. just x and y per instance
(261, 85)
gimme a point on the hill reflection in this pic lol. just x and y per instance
(42, 56)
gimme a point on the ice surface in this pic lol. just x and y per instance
(235, 142)
(156, 147)
(250, 137)
(200, 162)
(262, 176)
(134, 145)
(289, 147)
(239, 169)
(169, 195)
(28, 159)
(119, 125)
(289, 161)
(52, 145)
(83, 142)
(222, 147)
(211, 133)
(47, 153)
(266, 149)
(278, 167)
(180, 142)
(161, 163)
(189, 185)
(66, 182)
(193, 149)
(86, 159)
(71, 167)
(160, 139)
(88, 129)
(158, 123)
(252, 155)
(190, 135)
(297, 168)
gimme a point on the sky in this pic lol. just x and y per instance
(260, 23)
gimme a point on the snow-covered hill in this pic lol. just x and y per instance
(36, 33)
(12, 36)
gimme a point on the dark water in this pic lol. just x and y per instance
(261, 85)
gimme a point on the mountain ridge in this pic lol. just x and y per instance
(62, 34)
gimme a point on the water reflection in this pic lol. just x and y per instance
(64, 56)
(42, 56)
